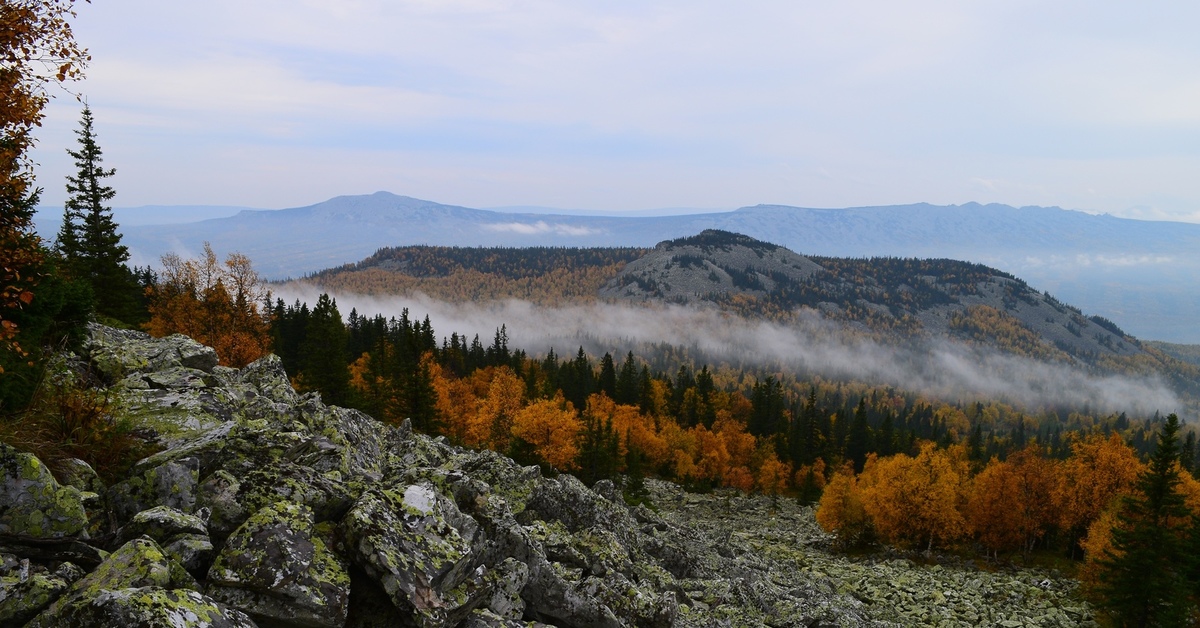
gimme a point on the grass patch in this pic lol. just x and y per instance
(68, 420)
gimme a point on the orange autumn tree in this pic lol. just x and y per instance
(1011, 505)
(840, 511)
(1099, 470)
(214, 303)
(916, 501)
(498, 407)
(553, 428)
(37, 51)
(456, 404)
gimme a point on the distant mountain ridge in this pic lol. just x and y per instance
(1143, 275)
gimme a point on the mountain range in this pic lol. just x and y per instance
(1142, 275)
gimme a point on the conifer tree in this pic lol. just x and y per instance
(323, 353)
(1143, 577)
(88, 239)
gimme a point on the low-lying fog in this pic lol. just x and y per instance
(942, 368)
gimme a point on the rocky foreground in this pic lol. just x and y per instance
(268, 508)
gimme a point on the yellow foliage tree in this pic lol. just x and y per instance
(916, 501)
(840, 511)
(1099, 470)
(492, 425)
(456, 404)
(553, 428)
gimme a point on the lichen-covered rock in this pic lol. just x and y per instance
(193, 551)
(33, 504)
(275, 567)
(268, 378)
(21, 598)
(139, 563)
(508, 580)
(150, 607)
(81, 475)
(115, 353)
(219, 493)
(422, 550)
(171, 484)
(327, 496)
(161, 523)
(182, 536)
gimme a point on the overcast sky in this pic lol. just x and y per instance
(630, 105)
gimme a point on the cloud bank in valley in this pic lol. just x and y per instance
(942, 369)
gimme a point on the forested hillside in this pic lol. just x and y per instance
(897, 301)
(543, 275)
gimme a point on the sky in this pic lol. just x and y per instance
(618, 106)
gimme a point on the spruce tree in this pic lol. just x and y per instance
(88, 240)
(1143, 581)
(323, 353)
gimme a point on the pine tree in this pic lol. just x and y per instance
(88, 239)
(323, 353)
(1143, 578)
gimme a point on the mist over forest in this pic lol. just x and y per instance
(943, 369)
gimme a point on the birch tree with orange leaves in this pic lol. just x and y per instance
(840, 511)
(1100, 469)
(1011, 503)
(916, 501)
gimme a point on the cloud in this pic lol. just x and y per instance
(541, 227)
(942, 369)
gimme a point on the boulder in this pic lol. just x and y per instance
(137, 564)
(171, 484)
(33, 504)
(423, 551)
(274, 567)
(116, 353)
(150, 607)
(22, 598)
(182, 536)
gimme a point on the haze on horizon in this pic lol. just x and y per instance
(626, 106)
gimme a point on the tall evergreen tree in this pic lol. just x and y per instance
(858, 441)
(1143, 581)
(323, 363)
(607, 381)
(88, 239)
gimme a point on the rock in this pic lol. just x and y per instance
(23, 598)
(170, 484)
(33, 504)
(193, 551)
(182, 536)
(508, 580)
(268, 378)
(422, 550)
(275, 568)
(219, 493)
(116, 353)
(161, 523)
(151, 607)
(81, 475)
(139, 563)
(328, 497)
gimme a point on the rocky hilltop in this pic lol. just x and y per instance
(265, 507)
(903, 298)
